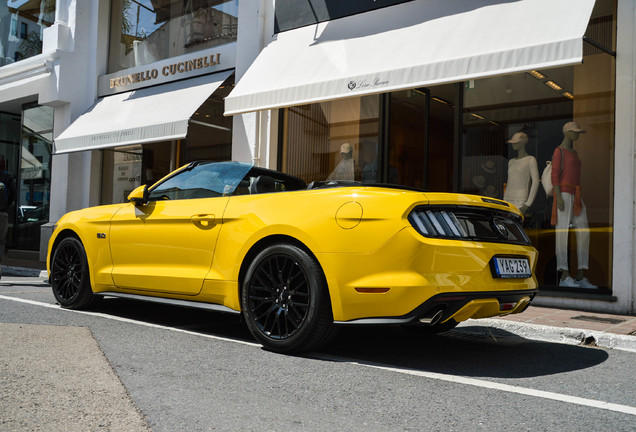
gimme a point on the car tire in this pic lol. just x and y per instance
(70, 279)
(285, 300)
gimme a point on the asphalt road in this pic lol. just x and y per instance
(138, 366)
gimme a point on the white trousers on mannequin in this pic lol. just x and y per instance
(564, 219)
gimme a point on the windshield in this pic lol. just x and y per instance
(202, 180)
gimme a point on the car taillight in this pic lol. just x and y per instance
(478, 223)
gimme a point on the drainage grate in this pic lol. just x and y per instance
(598, 319)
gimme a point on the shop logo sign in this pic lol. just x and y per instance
(364, 84)
(166, 71)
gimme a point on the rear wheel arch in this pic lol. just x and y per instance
(263, 244)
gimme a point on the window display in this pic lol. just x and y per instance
(335, 140)
(523, 175)
(561, 120)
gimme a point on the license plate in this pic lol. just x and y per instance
(505, 267)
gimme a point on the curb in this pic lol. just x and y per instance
(564, 335)
(23, 271)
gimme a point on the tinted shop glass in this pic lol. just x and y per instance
(292, 14)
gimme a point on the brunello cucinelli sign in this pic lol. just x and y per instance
(172, 69)
(167, 70)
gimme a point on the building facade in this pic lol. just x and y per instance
(477, 97)
(472, 97)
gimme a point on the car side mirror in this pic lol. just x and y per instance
(139, 196)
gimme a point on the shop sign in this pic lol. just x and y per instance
(176, 68)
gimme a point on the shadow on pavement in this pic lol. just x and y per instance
(469, 351)
(473, 351)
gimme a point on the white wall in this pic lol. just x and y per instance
(624, 280)
(254, 134)
(79, 35)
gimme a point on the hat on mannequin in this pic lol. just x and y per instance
(519, 137)
(572, 126)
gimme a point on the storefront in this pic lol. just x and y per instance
(25, 126)
(161, 103)
(480, 104)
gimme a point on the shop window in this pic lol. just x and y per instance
(21, 35)
(146, 31)
(336, 140)
(125, 168)
(34, 177)
(515, 126)
(420, 138)
(404, 138)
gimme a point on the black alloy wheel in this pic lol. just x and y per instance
(70, 279)
(285, 300)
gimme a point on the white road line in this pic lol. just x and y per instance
(624, 409)
(127, 320)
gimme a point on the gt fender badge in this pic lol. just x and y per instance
(101, 235)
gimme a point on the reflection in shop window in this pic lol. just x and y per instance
(146, 31)
(21, 28)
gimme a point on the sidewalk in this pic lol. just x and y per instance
(23, 267)
(570, 326)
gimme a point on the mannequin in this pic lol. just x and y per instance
(346, 168)
(523, 175)
(570, 208)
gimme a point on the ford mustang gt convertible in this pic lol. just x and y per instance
(297, 260)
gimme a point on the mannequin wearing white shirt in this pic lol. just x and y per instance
(346, 168)
(523, 175)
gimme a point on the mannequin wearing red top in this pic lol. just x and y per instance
(570, 208)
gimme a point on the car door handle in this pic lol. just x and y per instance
(203, 219)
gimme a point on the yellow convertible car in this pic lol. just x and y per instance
(297, 260)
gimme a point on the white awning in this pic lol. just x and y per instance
(152, 114)
(414, 44)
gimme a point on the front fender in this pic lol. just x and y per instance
(92, 227)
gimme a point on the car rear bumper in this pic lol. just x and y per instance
(459, 307)
(410, 271)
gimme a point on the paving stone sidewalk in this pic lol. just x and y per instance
(569, 326)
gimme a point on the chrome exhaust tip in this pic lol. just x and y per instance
(433, 319)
